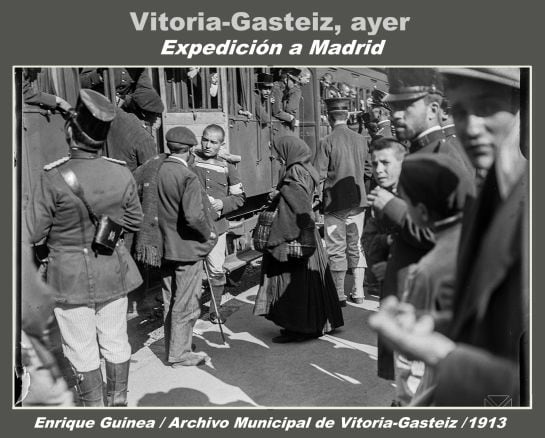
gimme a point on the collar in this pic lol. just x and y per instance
(217, 161)
(384, 122)
(181, 160)
(439, 226)
(83, 154)
(428, 136)
(449, 130)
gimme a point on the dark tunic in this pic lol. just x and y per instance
(340, 161)
(77, 274)
(299, 295)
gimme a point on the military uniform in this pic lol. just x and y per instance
(220, 180)
(285, 109)
(340, 161)
(91, 287)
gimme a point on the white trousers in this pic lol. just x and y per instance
(90, 331)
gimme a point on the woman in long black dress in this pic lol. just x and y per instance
(296, 294)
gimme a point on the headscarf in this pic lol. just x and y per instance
(436, 180)
(293, 151)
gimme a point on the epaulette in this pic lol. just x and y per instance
(56, 163)
(113, 160)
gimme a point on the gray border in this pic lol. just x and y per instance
(77, 33)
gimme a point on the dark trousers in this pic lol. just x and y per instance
(181, 293)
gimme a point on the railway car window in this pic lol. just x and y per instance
(192, 88)
(240, 82)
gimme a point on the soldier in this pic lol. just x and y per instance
(491, 277)
(222, 184)
(187, 236)
(379, 124)
(340, 160)
(286, 93)
(416, 96)
(91, 283)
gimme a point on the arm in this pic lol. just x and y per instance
(292, 103)
(41, 210)
(132, 210)
(146, 149)
(277, 106)
(236, 196)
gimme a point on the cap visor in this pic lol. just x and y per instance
(480, 74)
(404, 96)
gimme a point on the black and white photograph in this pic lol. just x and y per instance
(272, 236)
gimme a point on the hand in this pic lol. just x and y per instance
(272, 99)
(293, 123)
(273, 194)
(213, 236)
(379, 270)
(379, 197)
(217, 204)
(389, 240)
(245, 113)
(62, 104)
(414, 338)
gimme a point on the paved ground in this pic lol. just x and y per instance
(334, 370)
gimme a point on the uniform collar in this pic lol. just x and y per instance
(427, 137)
(213, 160)
(82, 154)
(181, 160)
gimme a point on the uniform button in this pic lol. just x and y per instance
(207, 171)
(207, 179)
(85, 251)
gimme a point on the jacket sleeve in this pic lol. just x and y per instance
(292, 103)
(41, 210)
(236, 197)
(397, 213)
(195, 212)
(36, 97)
(132, 210)
(146, 149)
(321, 161)
(468, 376)
(277, 106)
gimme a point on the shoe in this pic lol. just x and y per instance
(395, 404)
(342, 303)
(357, 300)
(215, 320)
(192, 359)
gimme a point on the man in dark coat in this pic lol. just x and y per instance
(486, 353)
(188, 236)
(340, 161)
(91, 286)
(286, 94)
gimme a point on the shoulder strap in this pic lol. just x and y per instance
(72, 181)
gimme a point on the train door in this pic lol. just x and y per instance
(249, 137)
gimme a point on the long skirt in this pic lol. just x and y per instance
(299, 295)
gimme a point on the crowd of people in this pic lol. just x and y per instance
(430, 218)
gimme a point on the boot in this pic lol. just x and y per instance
(338, 279)
(89, 388)
(358, 294)
(117, 378)
(217, 290)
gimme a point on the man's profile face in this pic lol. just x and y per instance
(410, 118)
(210, 143)
(375, 114)
(386, 167)
(484, 114)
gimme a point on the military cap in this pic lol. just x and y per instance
(413, 83)
(293, 73)
(505, 76)
(93, 115)
(265, 79)
(338, 104)
(148, 99)
(182, 135)
(377, 99)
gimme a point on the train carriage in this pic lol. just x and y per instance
(192, 98)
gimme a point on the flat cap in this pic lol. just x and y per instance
(148, 99)
(93, 115)
(502, 75)
(413, 83)
(182, 135)
(338, 104)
